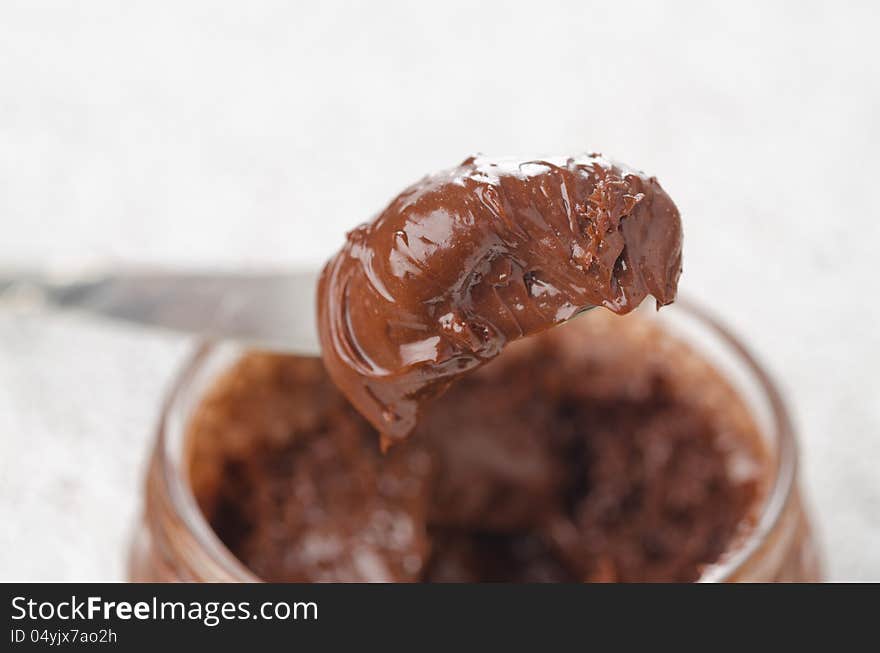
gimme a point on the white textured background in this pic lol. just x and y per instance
(200, 134)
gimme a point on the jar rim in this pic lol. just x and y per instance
(786, 459)
(201, 536)
(195, 527)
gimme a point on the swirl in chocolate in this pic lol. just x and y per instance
(469, 259)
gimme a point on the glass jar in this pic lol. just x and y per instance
(174, 542)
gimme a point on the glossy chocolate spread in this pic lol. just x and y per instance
(470, 259)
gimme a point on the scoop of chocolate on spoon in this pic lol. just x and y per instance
(469, 259)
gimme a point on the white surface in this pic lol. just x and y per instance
(200, 134)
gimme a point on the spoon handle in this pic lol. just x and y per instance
(275, 310)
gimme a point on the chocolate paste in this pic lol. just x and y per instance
(470, 259)
(602, 450)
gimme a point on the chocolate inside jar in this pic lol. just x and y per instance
(602, 450)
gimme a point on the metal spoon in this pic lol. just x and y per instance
(275, 310)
